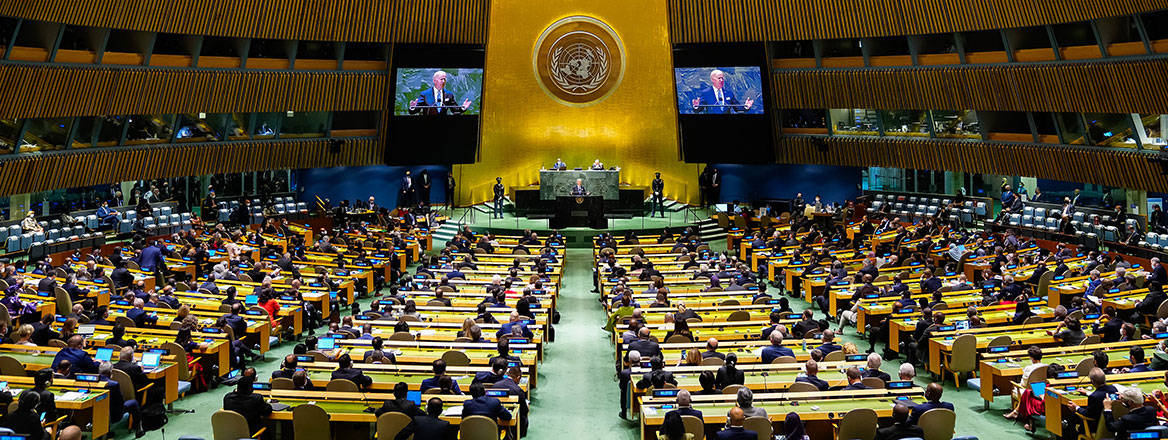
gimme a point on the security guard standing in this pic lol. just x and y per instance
(498, 198)
(657, 203)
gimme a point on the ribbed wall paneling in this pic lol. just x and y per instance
(412, 21)
(34, 91)
(31, 173)
(1114, 86)
(1072, 164)
(702, 21)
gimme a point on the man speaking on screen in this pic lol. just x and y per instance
(436, 100)
(718, 100)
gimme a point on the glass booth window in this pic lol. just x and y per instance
(200, 127)
(855, 122)
(45, 134)
(149, 129)
(1154, 127)
(265, 125)
(304, 125)
(239, 125)
(1111, 130)
(1070, 126)
(956, 124)
(906, 123)
(8, 129)
(812, 121)
(98, 131)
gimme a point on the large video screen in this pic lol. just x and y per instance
(719, 90)
(438, 91)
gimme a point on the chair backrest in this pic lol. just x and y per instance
(64, 303)
(673, 339)
(964, 356)
(1033, 320)
(229, 425)
(938, 423)
(873, 382)
(409, 318)
(732, 389)
(401, 336)
(282, 383)
(784, 360)
(4, 316)
(180, 355)
(712, 361)
(1037, 375)
(695, 426)
(456, 358)
(125, 384)
(835, 356)
(802, 387)
(390, 423)
(760, 425)
(859, 423)
(310, 422)
(1162, 310)
(478, 428)
(342, 385)
(125, 321)
(57, 343)
(1093, 339)
(738, 315)
(1085, 366)
(1001, 341)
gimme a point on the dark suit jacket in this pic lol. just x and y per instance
(737, 433)
(687, 412)
(1094, 406)
(920, 408)
(404, 406)
(819, 383)
(898, 431)
(647, 348)
(426, 428)
(251, 406)
(877, 373)
(485, 406)
(81, 360)
(354, 375)
(731, 104)
(427, 98)
(1136, 420)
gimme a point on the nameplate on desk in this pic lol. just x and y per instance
(947, 328)
(1067, 374)
(253, 312)
(665, 393)
(856, 357)
(1091, 316)
(1059, 277)
(1002, 349)
(897, 385)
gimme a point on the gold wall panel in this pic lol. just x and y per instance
(524, 128)
(404, 21)
(700, 21)
(71, 169)
(1124, 169)
(40, 91)
(1119, 86)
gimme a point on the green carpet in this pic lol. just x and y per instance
(578, 396)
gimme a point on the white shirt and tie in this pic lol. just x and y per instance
(720, 97)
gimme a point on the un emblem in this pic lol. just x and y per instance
(579, 60)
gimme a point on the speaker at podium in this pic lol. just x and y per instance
(579, 211)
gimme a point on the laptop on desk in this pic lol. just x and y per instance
(151, 361)
(104, 354)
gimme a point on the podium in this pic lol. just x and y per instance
(579, 211)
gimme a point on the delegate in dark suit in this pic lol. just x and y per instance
(737, 433)
(486, 406)
(250, 405)
(578, 190)
(1136, 420)
(920, 408)
(899, 431)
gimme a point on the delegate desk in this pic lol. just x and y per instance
(757, 377)
(385, 376)
(291, 311)
(748, 351)
(258, 326)
(426, 352)
(88, 401)
(818, 410)
(345, 407)
(166, 373)
(1060, 392)
(941, 344)
(723, 331)
(998, 369)
(753, 312)
(871, 309)
(217, 351)
(906, 321)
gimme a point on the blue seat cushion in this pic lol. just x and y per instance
(183, 387)
(973, 383)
